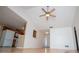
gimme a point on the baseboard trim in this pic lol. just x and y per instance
(63, 49)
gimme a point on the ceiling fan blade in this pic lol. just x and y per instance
(52, 10)
(44, 10)
(53, 15)
(42, 15)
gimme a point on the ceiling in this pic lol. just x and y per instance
(11, 14)
(10, 18)
(26, 7)
(64, 16)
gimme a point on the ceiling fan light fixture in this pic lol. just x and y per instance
(47, 15)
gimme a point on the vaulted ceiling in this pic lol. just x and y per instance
(64, 16)
(17, 15)
(10, 18)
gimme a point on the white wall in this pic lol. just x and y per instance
(59, 37)
(29, 41)
(76, 23)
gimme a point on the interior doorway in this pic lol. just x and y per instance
(47, 39)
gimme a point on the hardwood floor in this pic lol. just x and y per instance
(35, 50)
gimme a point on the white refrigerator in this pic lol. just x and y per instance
(7, 38)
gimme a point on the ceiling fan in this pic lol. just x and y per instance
(48, 13)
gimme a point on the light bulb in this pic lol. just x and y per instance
(47, 15)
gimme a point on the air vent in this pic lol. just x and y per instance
(51, 27)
